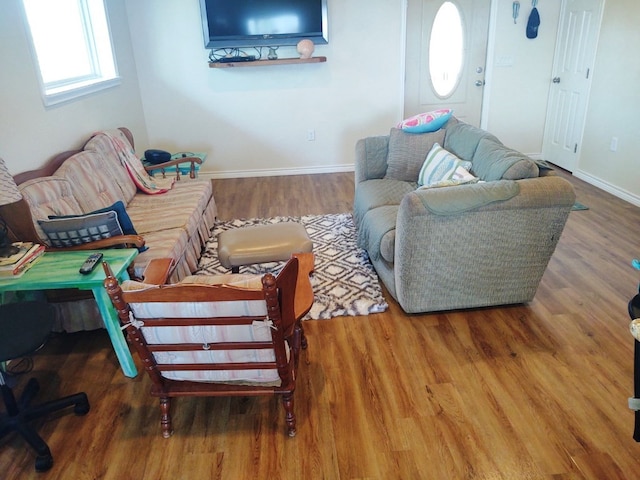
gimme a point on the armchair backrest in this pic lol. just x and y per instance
(212, 333)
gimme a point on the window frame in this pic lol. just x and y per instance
(102, 59)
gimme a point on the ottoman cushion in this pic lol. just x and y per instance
(262, 243)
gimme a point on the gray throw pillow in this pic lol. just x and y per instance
(407, 152)
(67, 232)
(493, 161)
(462, 139)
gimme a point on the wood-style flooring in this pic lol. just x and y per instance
(534, 391)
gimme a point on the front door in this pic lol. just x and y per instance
(446, 49)
(571, 81)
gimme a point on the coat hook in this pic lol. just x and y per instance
(516, 11)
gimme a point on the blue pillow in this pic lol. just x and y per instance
(121, 214)
(426, 122)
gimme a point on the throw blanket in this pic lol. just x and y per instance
(145, 182)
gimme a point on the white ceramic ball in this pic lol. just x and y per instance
(306, 48)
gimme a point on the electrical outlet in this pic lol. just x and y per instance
(613, 146)
(311, 135)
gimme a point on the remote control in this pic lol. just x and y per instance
(90, 263)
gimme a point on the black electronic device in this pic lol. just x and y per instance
(156, 156)
(90, 263)
(237, 58)
(267, 23)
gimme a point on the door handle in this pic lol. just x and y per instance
(479, 83)
(556, 80)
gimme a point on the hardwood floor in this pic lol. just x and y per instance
(528, 391)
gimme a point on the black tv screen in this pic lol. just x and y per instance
(251, 23)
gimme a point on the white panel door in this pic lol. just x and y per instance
(420, 94)
(571, 81)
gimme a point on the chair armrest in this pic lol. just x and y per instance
(129, 240)
(157, 271)
(174, 162)
(304, 292)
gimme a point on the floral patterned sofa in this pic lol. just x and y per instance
(83, 184)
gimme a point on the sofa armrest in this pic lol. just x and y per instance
(541, 192)
(371, 158)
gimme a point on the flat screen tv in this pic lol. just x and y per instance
(267, 23)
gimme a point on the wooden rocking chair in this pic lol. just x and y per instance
(230, 335)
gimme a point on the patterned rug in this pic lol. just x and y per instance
(344, 281)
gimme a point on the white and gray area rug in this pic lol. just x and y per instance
(344, 281)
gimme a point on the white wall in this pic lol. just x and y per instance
(615, 105)
(254, 120)
(30, 133)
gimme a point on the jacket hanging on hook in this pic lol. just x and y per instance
(533, 23)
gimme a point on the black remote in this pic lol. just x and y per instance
(90, 263)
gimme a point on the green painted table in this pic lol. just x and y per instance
(60, 270)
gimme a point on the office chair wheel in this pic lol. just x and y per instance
(44, 463)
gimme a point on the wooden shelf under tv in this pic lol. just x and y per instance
(265, 63)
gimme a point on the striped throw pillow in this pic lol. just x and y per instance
(439, 165)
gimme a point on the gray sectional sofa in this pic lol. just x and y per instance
(454, 247)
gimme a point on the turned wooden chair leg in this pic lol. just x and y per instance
(303, 338)
(290, 418)
(165, 416)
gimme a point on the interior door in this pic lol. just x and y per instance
(434, 75)
(571, 81)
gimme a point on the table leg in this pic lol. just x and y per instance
(112, 324)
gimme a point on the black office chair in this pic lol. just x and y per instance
(24, 328)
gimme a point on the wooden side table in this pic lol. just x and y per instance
(60, 270)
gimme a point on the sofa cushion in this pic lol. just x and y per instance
(378, 193)
(377, 232)
(426, 122)
(93, 187)
(48, 196)
(407, 152)
(462, 139)
(77, 230)
(440, 165)
(493, 161)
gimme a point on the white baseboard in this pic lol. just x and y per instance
(607, 187)
(277, 172)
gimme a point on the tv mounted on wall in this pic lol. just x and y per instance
(263, 23)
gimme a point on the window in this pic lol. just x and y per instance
(72, 45)
(446, 49)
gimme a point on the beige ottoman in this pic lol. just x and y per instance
(262, 244)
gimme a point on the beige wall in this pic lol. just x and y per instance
(31, 133)
(518, 95)
(255, 120)
(614, 106)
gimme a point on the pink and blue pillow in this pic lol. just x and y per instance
(426, 122)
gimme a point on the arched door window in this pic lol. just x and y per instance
(446, 50)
